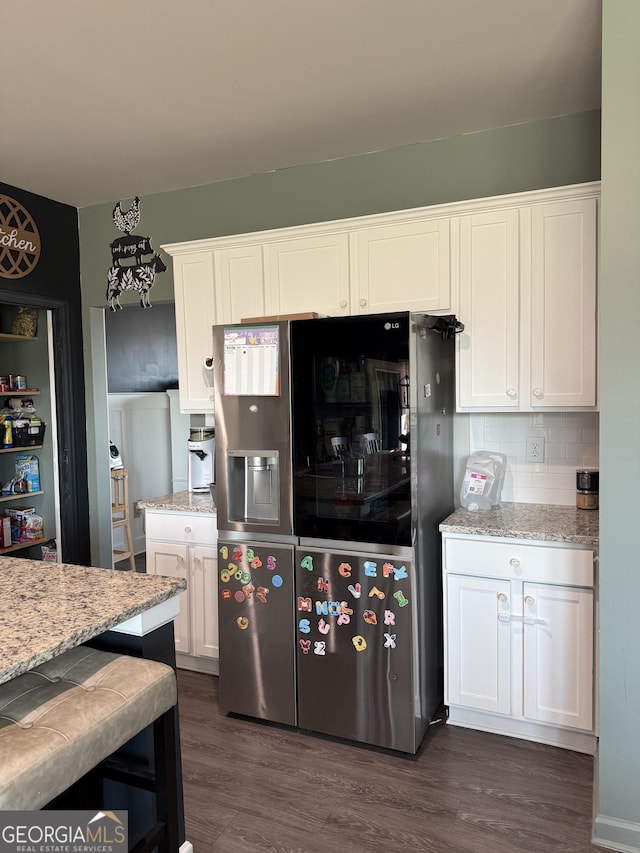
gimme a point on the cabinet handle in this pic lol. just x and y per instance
(197, 563)
(531, 620)
(514, 562)
(502, 597)
(187, 530)
(363, 301)
(538, 392)
(511, 392)
(180, 560)
(529, 599)
(343, 303)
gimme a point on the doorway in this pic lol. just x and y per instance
(56, 362)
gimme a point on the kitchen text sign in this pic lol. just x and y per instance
(19, 239)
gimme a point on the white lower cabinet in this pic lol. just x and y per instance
(182, 544)
(519, 639)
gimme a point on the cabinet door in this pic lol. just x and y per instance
(239, 283)
(488, 361)
(403, 267)
(558, 655)
(563, 304)
(195, 315)
(308, 274)
(479, 643)
(170, 560)
(204, 580)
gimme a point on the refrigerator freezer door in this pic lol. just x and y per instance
(355, 647)
(253, 428)
(257, 630)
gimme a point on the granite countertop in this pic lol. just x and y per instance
(541, 522)
(48, 608)
(181, 502)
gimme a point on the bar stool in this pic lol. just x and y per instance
(120, 514)
(372, 443)
(62, 723)
(341, 446)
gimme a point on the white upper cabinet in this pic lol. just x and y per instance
(519, 271)
(195, 313)
(308, 274)
(401, 267)
(527, 298)
(210, 287)
(489, 347)
(239, 284)
(563, 304)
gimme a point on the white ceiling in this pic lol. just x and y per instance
(106, 99)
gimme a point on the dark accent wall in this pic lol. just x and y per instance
(141, 349)
(55, 284)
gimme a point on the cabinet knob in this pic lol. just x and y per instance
(514, 562)
(511, 392)
(197, 562)
(187, 530)
(529, 600)
(502, 597)
(538, 392)
(343, 303)
(363, 301)
(180, 560)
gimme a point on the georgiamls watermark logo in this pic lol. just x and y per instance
(64, 832)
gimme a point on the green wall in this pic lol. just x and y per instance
(618, 778)
(506, 160)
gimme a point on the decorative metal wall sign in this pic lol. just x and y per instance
(129, 269)
(19, 239)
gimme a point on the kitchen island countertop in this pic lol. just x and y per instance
(48, 608)
(180, 502)
(541, 522)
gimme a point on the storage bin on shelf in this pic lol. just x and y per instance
(28, 436)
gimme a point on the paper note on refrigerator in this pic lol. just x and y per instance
(251, 363)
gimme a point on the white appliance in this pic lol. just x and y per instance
(115, 460)
(201, 454)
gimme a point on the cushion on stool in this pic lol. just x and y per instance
(62, 718)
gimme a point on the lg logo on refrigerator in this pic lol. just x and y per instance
(388, 326)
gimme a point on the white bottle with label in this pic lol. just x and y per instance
(483, 478)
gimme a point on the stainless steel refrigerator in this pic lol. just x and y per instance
(334, 468)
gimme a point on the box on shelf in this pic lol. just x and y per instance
(28, 469)
(49, 551)
(5, 531)
(304, 315)
(25, 524)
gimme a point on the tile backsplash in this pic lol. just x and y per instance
(570, 441)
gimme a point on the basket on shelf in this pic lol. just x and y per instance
(28, 436)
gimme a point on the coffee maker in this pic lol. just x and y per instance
(201, 455)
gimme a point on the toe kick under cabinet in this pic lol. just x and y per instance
(519, 627)
(183, 544)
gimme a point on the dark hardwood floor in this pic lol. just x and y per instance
(252, 786)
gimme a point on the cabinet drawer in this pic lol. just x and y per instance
(197, 527)
(541, 563)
